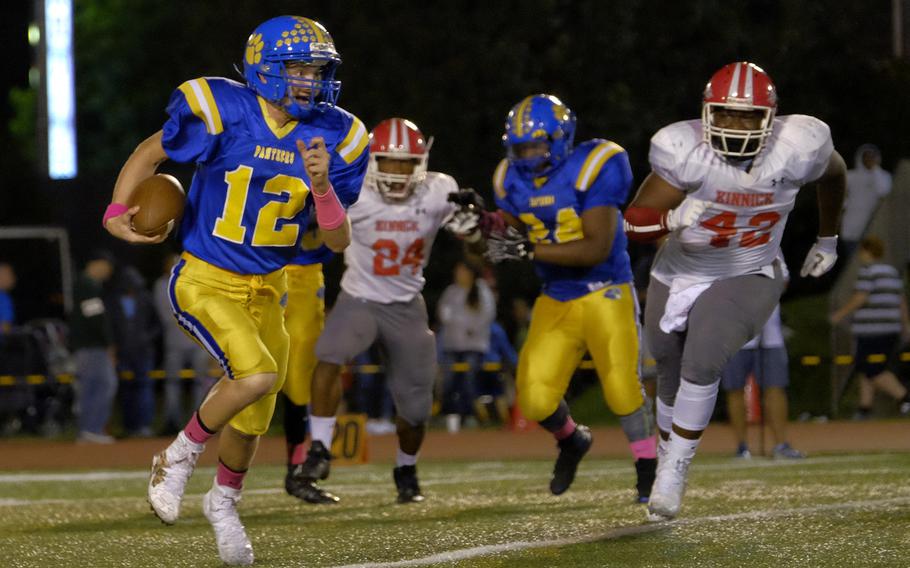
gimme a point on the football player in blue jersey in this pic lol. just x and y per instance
(267, 154)
(562, 207)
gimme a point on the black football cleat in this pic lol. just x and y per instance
(317, 463)
(571, 450)
(305, 488)
(406, 482)
(645, 470)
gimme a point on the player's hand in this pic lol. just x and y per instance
(821, 257)
(686, 214)
(464, 223)
(121, 227)
(508, 245)
(316, 162)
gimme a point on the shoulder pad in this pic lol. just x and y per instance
(354, 138)
(499, 178)
(593, 154)
(201, 97)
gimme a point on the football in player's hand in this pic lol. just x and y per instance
(160, 199)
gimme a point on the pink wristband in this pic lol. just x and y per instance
(329, 212)
(113, 210)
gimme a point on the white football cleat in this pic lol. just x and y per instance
(220, 507)
(171, 469)
(669, 487)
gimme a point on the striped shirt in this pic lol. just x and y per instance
(881, 314)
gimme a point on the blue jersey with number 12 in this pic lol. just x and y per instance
(249, 204)
(596, 173)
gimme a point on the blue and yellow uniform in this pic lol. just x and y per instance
(581, 308)
(246, 213)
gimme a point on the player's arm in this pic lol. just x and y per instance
(141, 164)
(598, 227)
(330, 214)
(830, 190)
(830, 193)
(659, 208)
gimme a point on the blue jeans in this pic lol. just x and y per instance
(97, 383)
(137, 399)
(175, 359)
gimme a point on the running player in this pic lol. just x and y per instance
(722, 187)
(267, 153)
(394, 225)
(566, 200)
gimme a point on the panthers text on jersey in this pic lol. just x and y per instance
(596, 173)
(740, 232)
(249, 202)
(391, 242)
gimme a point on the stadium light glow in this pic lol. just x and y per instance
(60, 85)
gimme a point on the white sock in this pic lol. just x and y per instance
(679, 447)
(694, 405)
(664, 416)
(322, 428)
(405, 459)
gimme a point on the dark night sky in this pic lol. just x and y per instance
(455, 67)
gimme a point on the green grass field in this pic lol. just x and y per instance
(845, 510)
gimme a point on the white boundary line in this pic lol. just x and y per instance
(620, 532)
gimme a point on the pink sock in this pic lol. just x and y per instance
(644, 449)
(567, 430)
(227, 477)
(298, 454)
(196, 431)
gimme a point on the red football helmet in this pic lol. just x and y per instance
(399, 139)
(741, 86)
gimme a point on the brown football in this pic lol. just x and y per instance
(160, 199)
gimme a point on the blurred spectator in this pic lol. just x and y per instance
(880, 319)
(466, 309)
(765, 357)
(867, 185)
(7, 309)
(92, 343)
(179, 352)
(491, 385)
(136, 328)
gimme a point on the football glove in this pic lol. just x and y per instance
(686, 214)
(464, 223)
(821, 257)
(507, 245)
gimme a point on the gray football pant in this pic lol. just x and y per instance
(723, 319)
(407, 343)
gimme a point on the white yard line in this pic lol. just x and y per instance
(593, 472)
(620, 532)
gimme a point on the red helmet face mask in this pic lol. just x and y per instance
(745, 89)
(397, 139)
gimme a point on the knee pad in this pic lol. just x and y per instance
(695, 405)
(254, 420)
(536, 404)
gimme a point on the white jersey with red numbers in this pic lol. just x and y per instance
(740, 232)
(391, 242)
